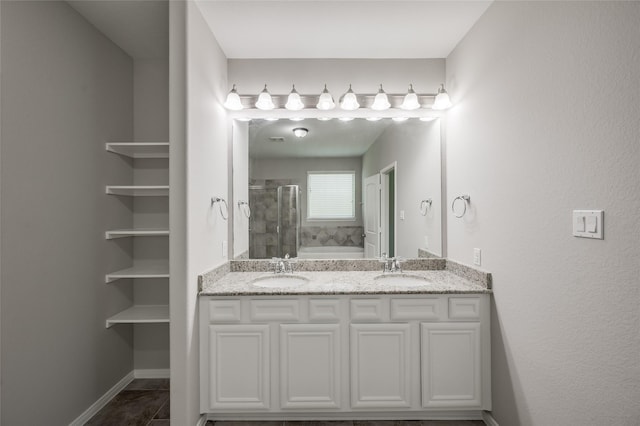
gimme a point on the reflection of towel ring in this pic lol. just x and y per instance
(465, 199)
(425, 205)
(222, 201)
(244, 206)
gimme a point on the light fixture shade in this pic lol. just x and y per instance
(233, 100)
(442, 99)
(381, 102)
(410, 101)
(264, 100)
(374, 118)
(294, 103)
(326, 100)
(300, 132)
(349, 101)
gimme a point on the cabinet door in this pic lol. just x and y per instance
(450, 361)
(380, 365)
(239, 366)
(310, 365)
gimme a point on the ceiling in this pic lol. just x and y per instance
(332, 138)
(340, 28)
(295, 28)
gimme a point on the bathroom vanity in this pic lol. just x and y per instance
(344, 345)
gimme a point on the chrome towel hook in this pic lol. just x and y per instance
(244, 206)
(221, 201)
(465, 200)
(425, 205)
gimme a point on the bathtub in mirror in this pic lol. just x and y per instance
(346, 189)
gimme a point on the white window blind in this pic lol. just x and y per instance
(331, 195)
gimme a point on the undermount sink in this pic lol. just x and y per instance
(280, 281)
(401, 279)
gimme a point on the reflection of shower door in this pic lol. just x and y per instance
(288, 220)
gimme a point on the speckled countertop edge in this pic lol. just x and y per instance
(218, 282)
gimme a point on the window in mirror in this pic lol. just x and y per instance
(331, 195)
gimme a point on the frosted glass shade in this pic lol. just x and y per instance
(381, 101)
(294, 103)
(264, 100)
(325, 102)
(349, 101)
(233, 100)
(442, 100)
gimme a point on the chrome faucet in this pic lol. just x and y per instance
(391, 264)
(283, 265)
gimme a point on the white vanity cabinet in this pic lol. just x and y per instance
(349, 355)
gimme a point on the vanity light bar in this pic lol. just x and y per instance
(349, 101)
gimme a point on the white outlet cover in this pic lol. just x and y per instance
(477, 256)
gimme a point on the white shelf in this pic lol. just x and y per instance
(157, 269)
(140, 149)
(141, 232)
(140, 314)
(139, 190)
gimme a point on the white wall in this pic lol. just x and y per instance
(545, 121)
(297, 168)
(66, 89)
(202, 170)
(415, 145)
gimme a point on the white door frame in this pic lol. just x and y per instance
(384, 204)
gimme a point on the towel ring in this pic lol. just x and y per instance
(244, 206)
(425, 205)
(465, 199)
(221, 201)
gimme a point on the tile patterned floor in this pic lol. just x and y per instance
(355, 423)
(144, 402)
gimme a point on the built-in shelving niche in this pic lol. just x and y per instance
(140, 269)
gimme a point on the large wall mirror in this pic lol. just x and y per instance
(336, 189)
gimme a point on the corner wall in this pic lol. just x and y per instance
(545, 121)
(66, 89)
(200, 139)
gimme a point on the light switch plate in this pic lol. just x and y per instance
(588, 224)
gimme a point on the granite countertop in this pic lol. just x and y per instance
(339, 282)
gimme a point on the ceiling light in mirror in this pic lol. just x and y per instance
(294, 103)
(324, 118)
(410, 101)
(233, 100)
(381, 102)
(374, 118)
(296, 119)
(300, 132)
(326, 100)
(264, 100)
(399, 119)
(272, 118)
(349, 101)
(346, 118)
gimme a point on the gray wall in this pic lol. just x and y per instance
(415, 145)
(151, 124)
(65, 90)
(545, 121)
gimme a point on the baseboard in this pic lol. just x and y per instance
(202, 421)
(348, 415)
(488, 419)
(149, 373)
(103, 400)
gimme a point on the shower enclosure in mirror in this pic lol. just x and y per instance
(346, 189)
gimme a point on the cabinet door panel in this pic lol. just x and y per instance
(450, 359)
(380, 365)
(310, 365)
(239, 360)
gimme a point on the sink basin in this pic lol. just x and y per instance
(280, 281)
(406, 280)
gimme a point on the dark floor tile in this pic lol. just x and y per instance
(148, 384)
(319, 423)
(164, 412)
(245, 423)
(159, 423)
(132, 408)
